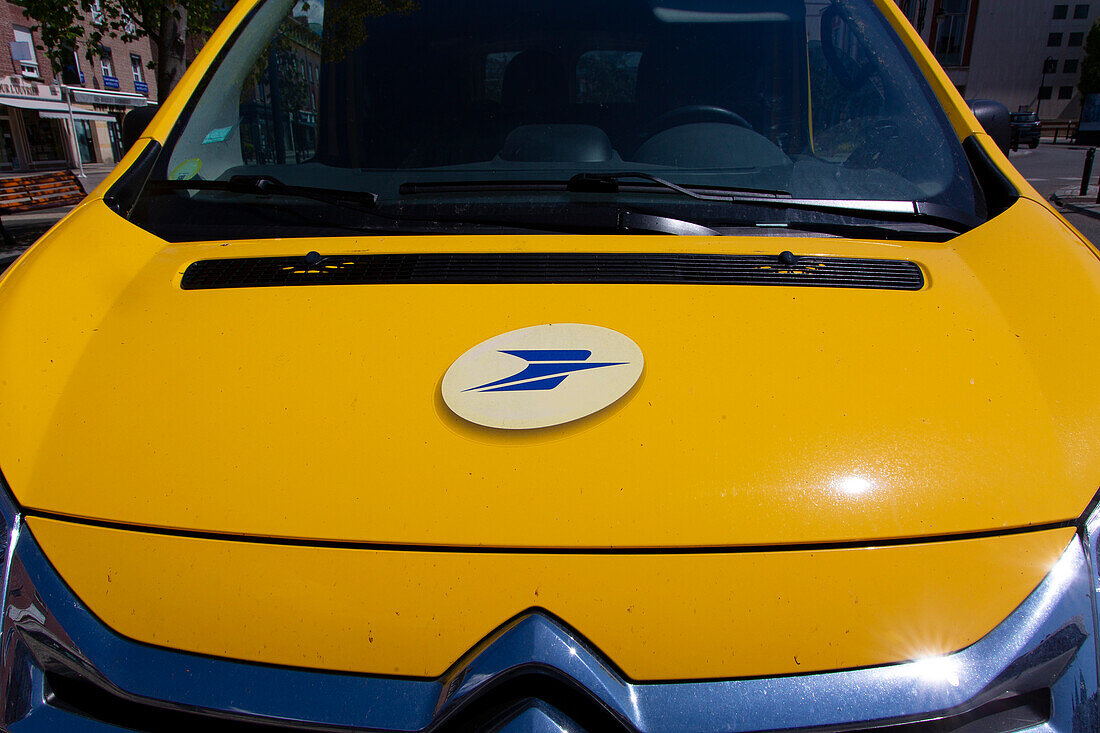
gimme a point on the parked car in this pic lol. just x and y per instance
(608, 365)
(1026, 129)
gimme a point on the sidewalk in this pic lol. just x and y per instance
(1071, 198)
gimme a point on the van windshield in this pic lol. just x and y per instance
(439, 115)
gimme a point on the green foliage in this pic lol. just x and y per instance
(1090, 69)
(344, 26)
(60, 23)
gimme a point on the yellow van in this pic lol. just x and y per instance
(554, 365)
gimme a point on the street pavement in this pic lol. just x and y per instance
(1056, 169)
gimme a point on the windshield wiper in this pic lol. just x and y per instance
(921, 212)
(616, 219)
(588, 183)
(582, 219)
(261, 185)
(609, 182)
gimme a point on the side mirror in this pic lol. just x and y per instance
(994, 119)
(134, 123)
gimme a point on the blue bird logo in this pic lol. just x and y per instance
(545, 370)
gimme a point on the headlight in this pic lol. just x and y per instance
(63, 670)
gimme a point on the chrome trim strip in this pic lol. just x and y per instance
(1090, 538)
(1041, 645)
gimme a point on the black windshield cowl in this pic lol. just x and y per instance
(587, 182)
(609, 183)
(262, 185)
(576, 220)
(571, 219)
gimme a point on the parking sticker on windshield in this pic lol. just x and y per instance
(217, 135)
(186, 170)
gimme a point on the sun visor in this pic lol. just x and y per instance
(728, 11)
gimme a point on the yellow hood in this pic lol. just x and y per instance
(766, 415)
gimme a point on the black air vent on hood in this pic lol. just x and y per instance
(687, 269)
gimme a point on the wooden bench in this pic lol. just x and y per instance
(39, 191)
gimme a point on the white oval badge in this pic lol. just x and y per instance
(542, 375)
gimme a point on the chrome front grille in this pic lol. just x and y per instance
(67, 671)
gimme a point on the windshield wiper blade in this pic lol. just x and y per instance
(262, 185)
(910, 211)
(609, 183)
(597, 182)
(588, 219)
(917, 230)
(589, 182)
(596, 219)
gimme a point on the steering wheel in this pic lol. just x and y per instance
(697, 113)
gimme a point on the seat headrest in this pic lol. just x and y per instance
(535, 81)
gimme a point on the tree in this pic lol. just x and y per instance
(1090, 69)
(166, 23)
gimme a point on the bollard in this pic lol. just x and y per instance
(1087, 173)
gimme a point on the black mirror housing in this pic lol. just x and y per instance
(134, 124)
(995, 121)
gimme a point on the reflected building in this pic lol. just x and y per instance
(1026, 54)
(279, 108)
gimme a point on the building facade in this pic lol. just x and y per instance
(1026, 54)
(279, 107)
(52, 121)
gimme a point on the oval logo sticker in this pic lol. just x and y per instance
(541, 376)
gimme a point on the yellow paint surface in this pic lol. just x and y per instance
(765, 415)
(654, 616)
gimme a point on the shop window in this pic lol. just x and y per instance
(1070, 67)
(85, 141)
(950, 38)
(7, 145)
(1080, 12)
(1045, 92)
(1065, 92)
(1054, 40)
(22, 52)
(116, 141)
(1076, 39)
(45, 139)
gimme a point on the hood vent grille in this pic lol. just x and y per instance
(686, 269)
